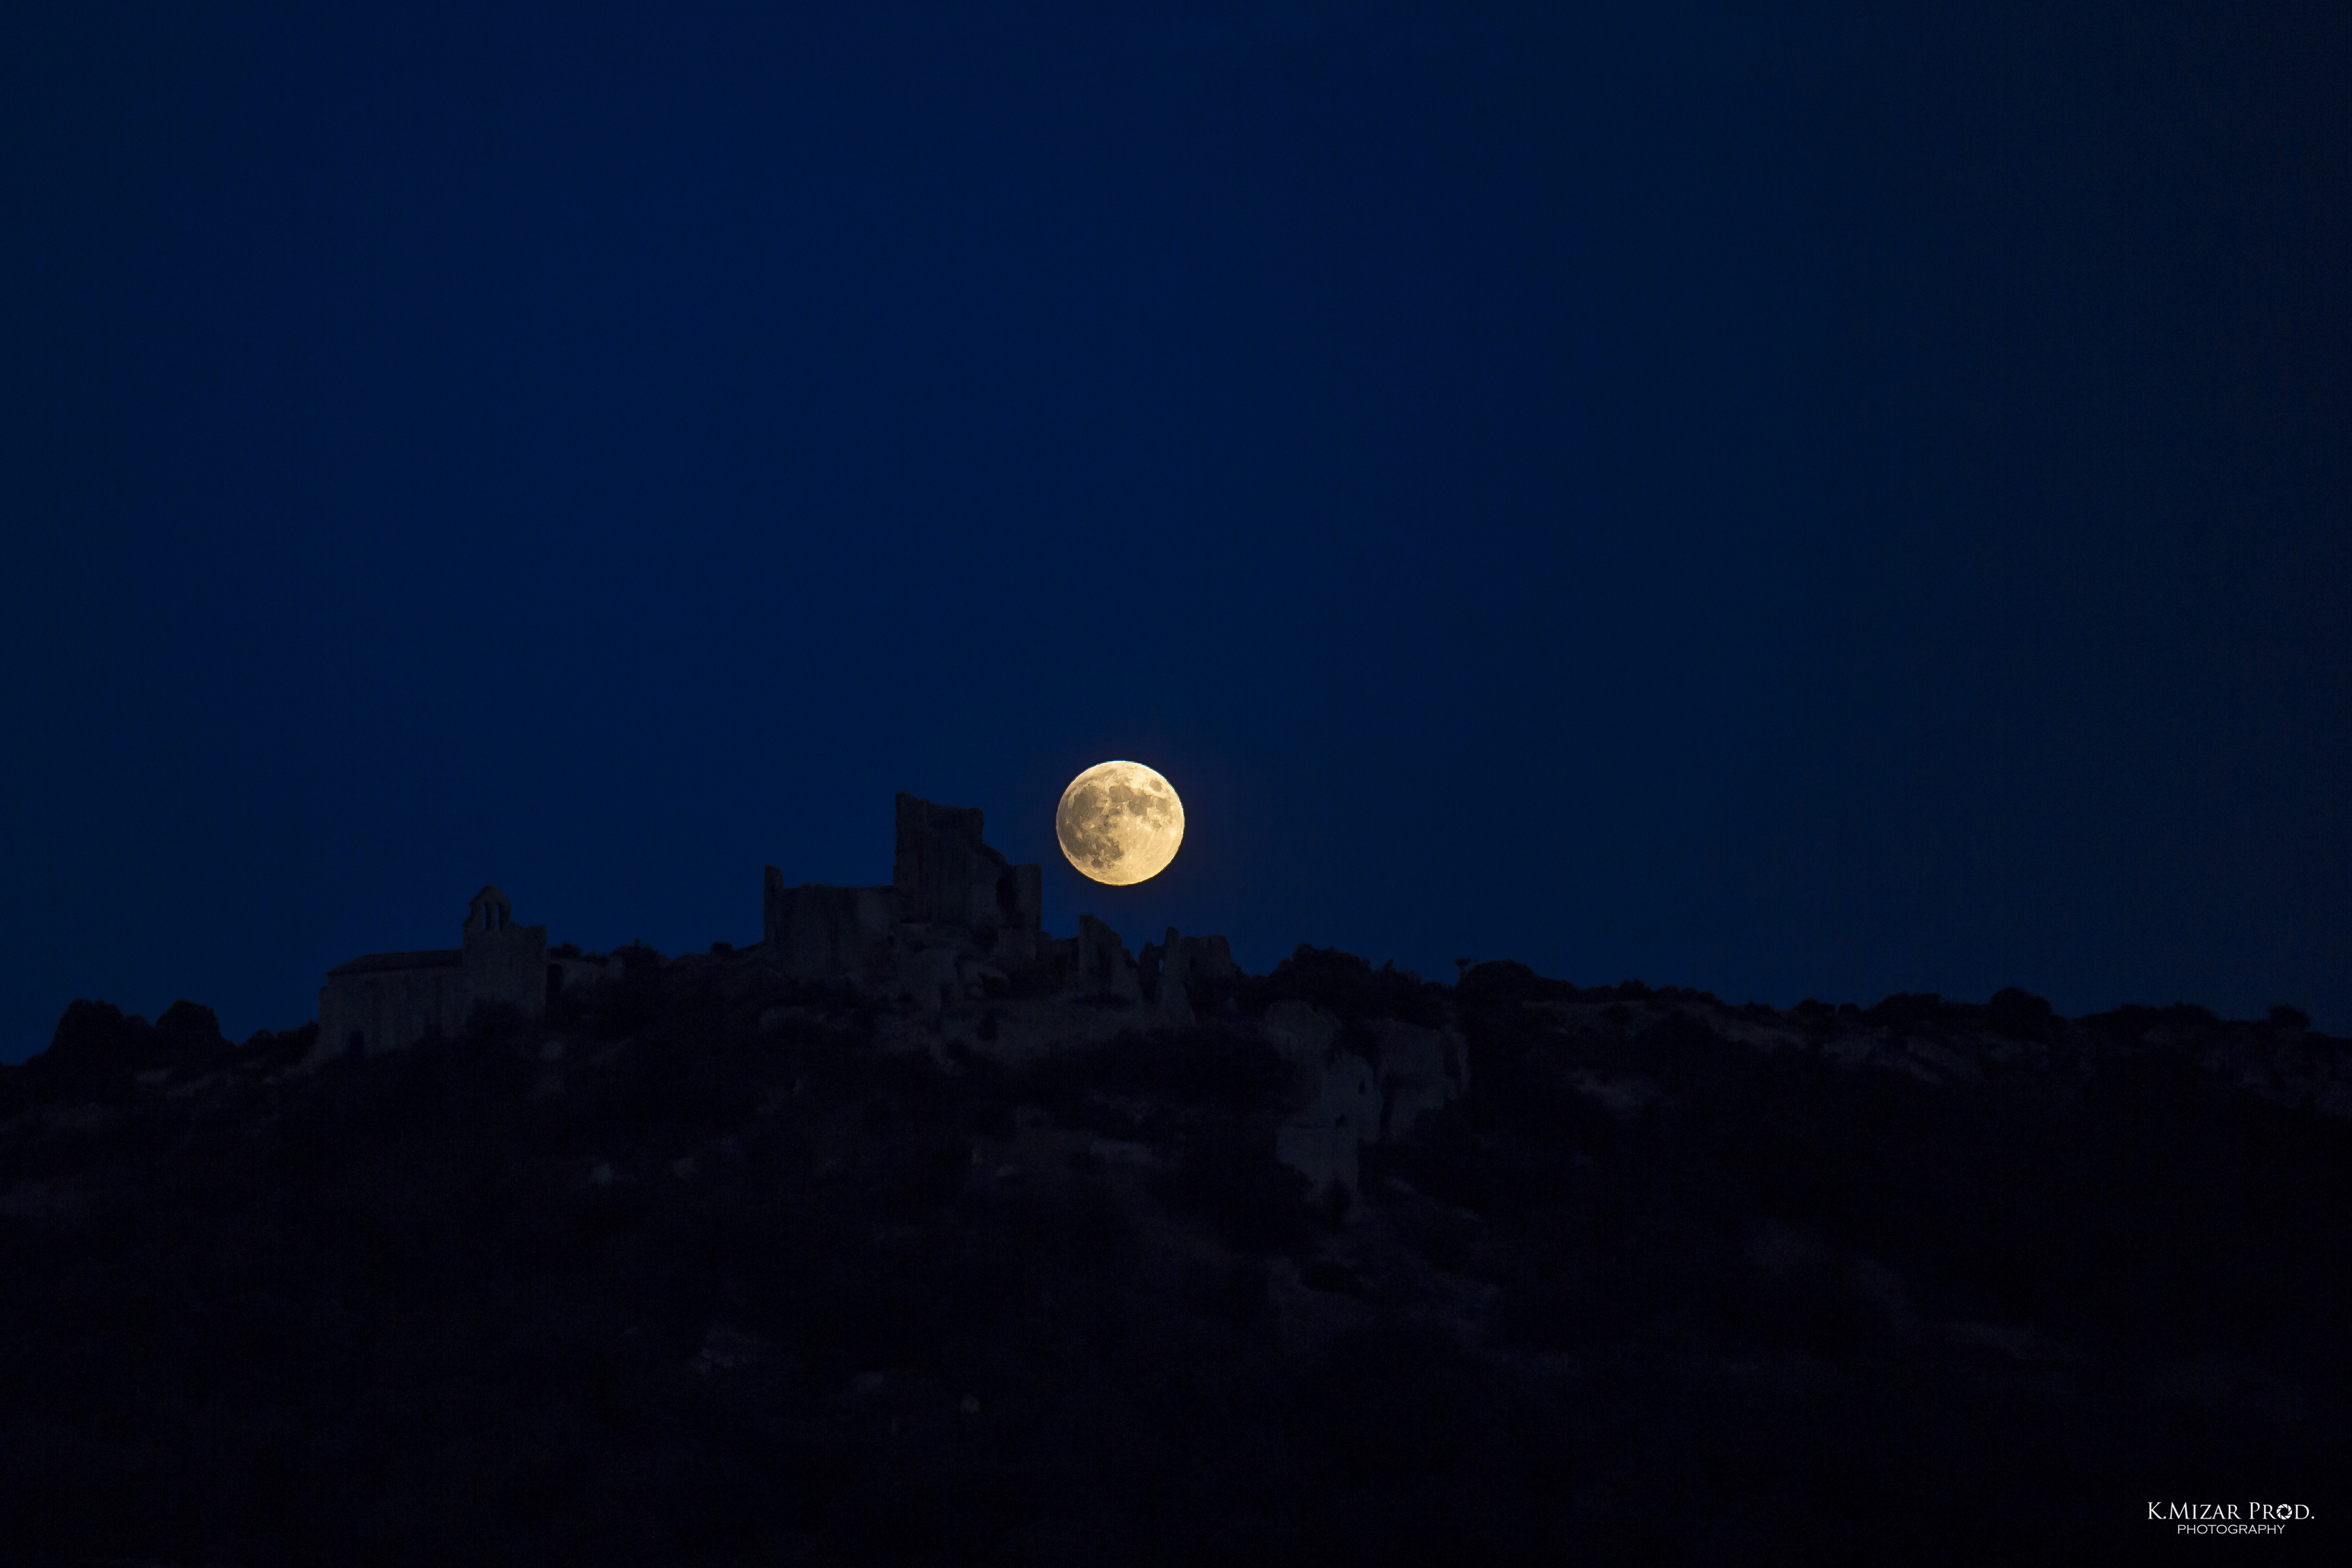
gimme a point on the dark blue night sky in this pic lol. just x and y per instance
(1782, 500)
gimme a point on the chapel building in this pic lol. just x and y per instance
(382, 1002)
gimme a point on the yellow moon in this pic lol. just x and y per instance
(1120, 822)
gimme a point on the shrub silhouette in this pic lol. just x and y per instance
(1347, 987)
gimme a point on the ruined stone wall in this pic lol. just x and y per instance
(815, 932)
(947, 886)
(946, 876)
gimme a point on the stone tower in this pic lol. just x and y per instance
(503, 962)
(944, 880)
(945, 876)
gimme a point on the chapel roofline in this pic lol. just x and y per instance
(426, 958)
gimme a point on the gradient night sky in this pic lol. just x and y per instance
(1825, 504)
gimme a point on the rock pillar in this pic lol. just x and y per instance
(1104, 967)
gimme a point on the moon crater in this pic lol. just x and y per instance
(1120, 822)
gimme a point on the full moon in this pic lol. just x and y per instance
(1120, 822)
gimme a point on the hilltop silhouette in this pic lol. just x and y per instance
(1112, 1259)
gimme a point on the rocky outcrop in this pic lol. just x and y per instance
(934, 976)
(1188, 978)
(574, 973)
(1162, 967)
(1377, 1085)
(1105, 967)
(1421, 1070)
(1306, 1037)
(1334, 1092)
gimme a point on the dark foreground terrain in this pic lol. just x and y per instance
(707, 1269)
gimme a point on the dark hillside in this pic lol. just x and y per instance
(709, 1268)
